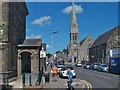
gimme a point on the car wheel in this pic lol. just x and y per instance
(61, 76)
(75, 76)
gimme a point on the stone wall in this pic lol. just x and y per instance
(84, 49)
(14, 17)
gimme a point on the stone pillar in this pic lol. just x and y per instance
(5, 57)
(19, 66)
(35, 64)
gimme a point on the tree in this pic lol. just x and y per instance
(65, 51)
(58, 52)
(49, 55)
(2, 25)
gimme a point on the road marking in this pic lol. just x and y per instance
(80, 70)
(104, 77)
(89, 73)
(89, 86)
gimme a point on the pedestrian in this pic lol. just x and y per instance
(54, 73)
(70, 79)
(51, 64)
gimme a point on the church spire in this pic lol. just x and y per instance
(74, 26)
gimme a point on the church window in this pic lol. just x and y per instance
(75, 37)
(74, 25)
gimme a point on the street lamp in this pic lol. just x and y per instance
(54, 32)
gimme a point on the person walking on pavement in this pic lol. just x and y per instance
(54, 73)
(51, 64)
(70, 79)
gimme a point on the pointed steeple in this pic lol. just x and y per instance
(74, 25)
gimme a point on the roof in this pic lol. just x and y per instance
(31, 42)
(83, 41)
(102, 39)
(89, 36)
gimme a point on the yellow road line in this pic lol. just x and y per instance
(89, 86)
(86, 84)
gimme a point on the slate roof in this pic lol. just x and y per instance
(31, 42)
(102, 39)
(83, 41)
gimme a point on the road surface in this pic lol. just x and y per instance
(98, 79)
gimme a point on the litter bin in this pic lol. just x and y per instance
(47, 77)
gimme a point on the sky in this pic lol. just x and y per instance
(93, 18)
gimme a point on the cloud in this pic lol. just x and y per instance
(68, 9)
(33, 36)
(48, 46)
(45, 20)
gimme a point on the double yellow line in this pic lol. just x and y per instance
(89, 86)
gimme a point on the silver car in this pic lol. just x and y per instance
(103, 67)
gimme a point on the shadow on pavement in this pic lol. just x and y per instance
(5, 87)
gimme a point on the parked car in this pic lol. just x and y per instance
(63, 72)
(96, 65)
(103, 67)
(87, 66)
(60, 66)
(78, 64)
(91, 66)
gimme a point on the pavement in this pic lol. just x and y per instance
(62, 83)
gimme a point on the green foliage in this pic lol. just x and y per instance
(58, 52)
(2, 25)
(65, 51)
(49, 55)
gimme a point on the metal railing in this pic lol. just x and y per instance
(38, 81)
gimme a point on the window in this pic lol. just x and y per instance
(75, 37)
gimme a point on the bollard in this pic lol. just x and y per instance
(30, 80)
(23, 81)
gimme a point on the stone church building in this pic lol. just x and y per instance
(85, 44)
(18, 55)
(75, 49)
(13, 15)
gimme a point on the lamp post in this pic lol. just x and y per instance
(53, 33)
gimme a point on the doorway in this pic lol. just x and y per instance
(74, 59)
(25, 62)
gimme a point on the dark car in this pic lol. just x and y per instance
(87, 66)
(78, 64)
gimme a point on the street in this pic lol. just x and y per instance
(97, 79)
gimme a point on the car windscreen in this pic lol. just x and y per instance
(103, 65)
(66, 68)
(59, 66)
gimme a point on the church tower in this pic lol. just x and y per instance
(73, 48)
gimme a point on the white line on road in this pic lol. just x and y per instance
(91, 73)
(80, 70)
(104, 77)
